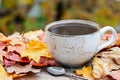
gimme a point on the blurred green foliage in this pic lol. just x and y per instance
(14, 14)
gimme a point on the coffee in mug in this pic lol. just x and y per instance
(72, 29)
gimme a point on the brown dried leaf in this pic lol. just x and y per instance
(100, 69)
(113, 53)
(103, 66)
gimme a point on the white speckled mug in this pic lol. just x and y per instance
(75, 50)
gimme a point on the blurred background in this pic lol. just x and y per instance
(26, 15)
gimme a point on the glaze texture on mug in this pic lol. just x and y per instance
(74, 50)
(77, 49)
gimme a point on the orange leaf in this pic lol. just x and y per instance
(14, 75)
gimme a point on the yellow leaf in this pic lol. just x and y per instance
(85, 72)
(4, 75)
(35, 49)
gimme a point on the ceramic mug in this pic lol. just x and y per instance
(75, 50)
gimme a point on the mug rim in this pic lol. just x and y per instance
(72, 21)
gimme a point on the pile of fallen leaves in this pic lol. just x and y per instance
(23, 53)
(28, 52)
(105, 64)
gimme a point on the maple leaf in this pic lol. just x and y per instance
(35, 49)
(34, 35)
(4, 75)
(85, 72)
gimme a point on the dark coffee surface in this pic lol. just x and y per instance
(73, 29)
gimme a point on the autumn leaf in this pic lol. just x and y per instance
(34, 35)
(100, 67)
(4, 75)
(35, 49)
(85, 72)
(106, 61)
(19, 69)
